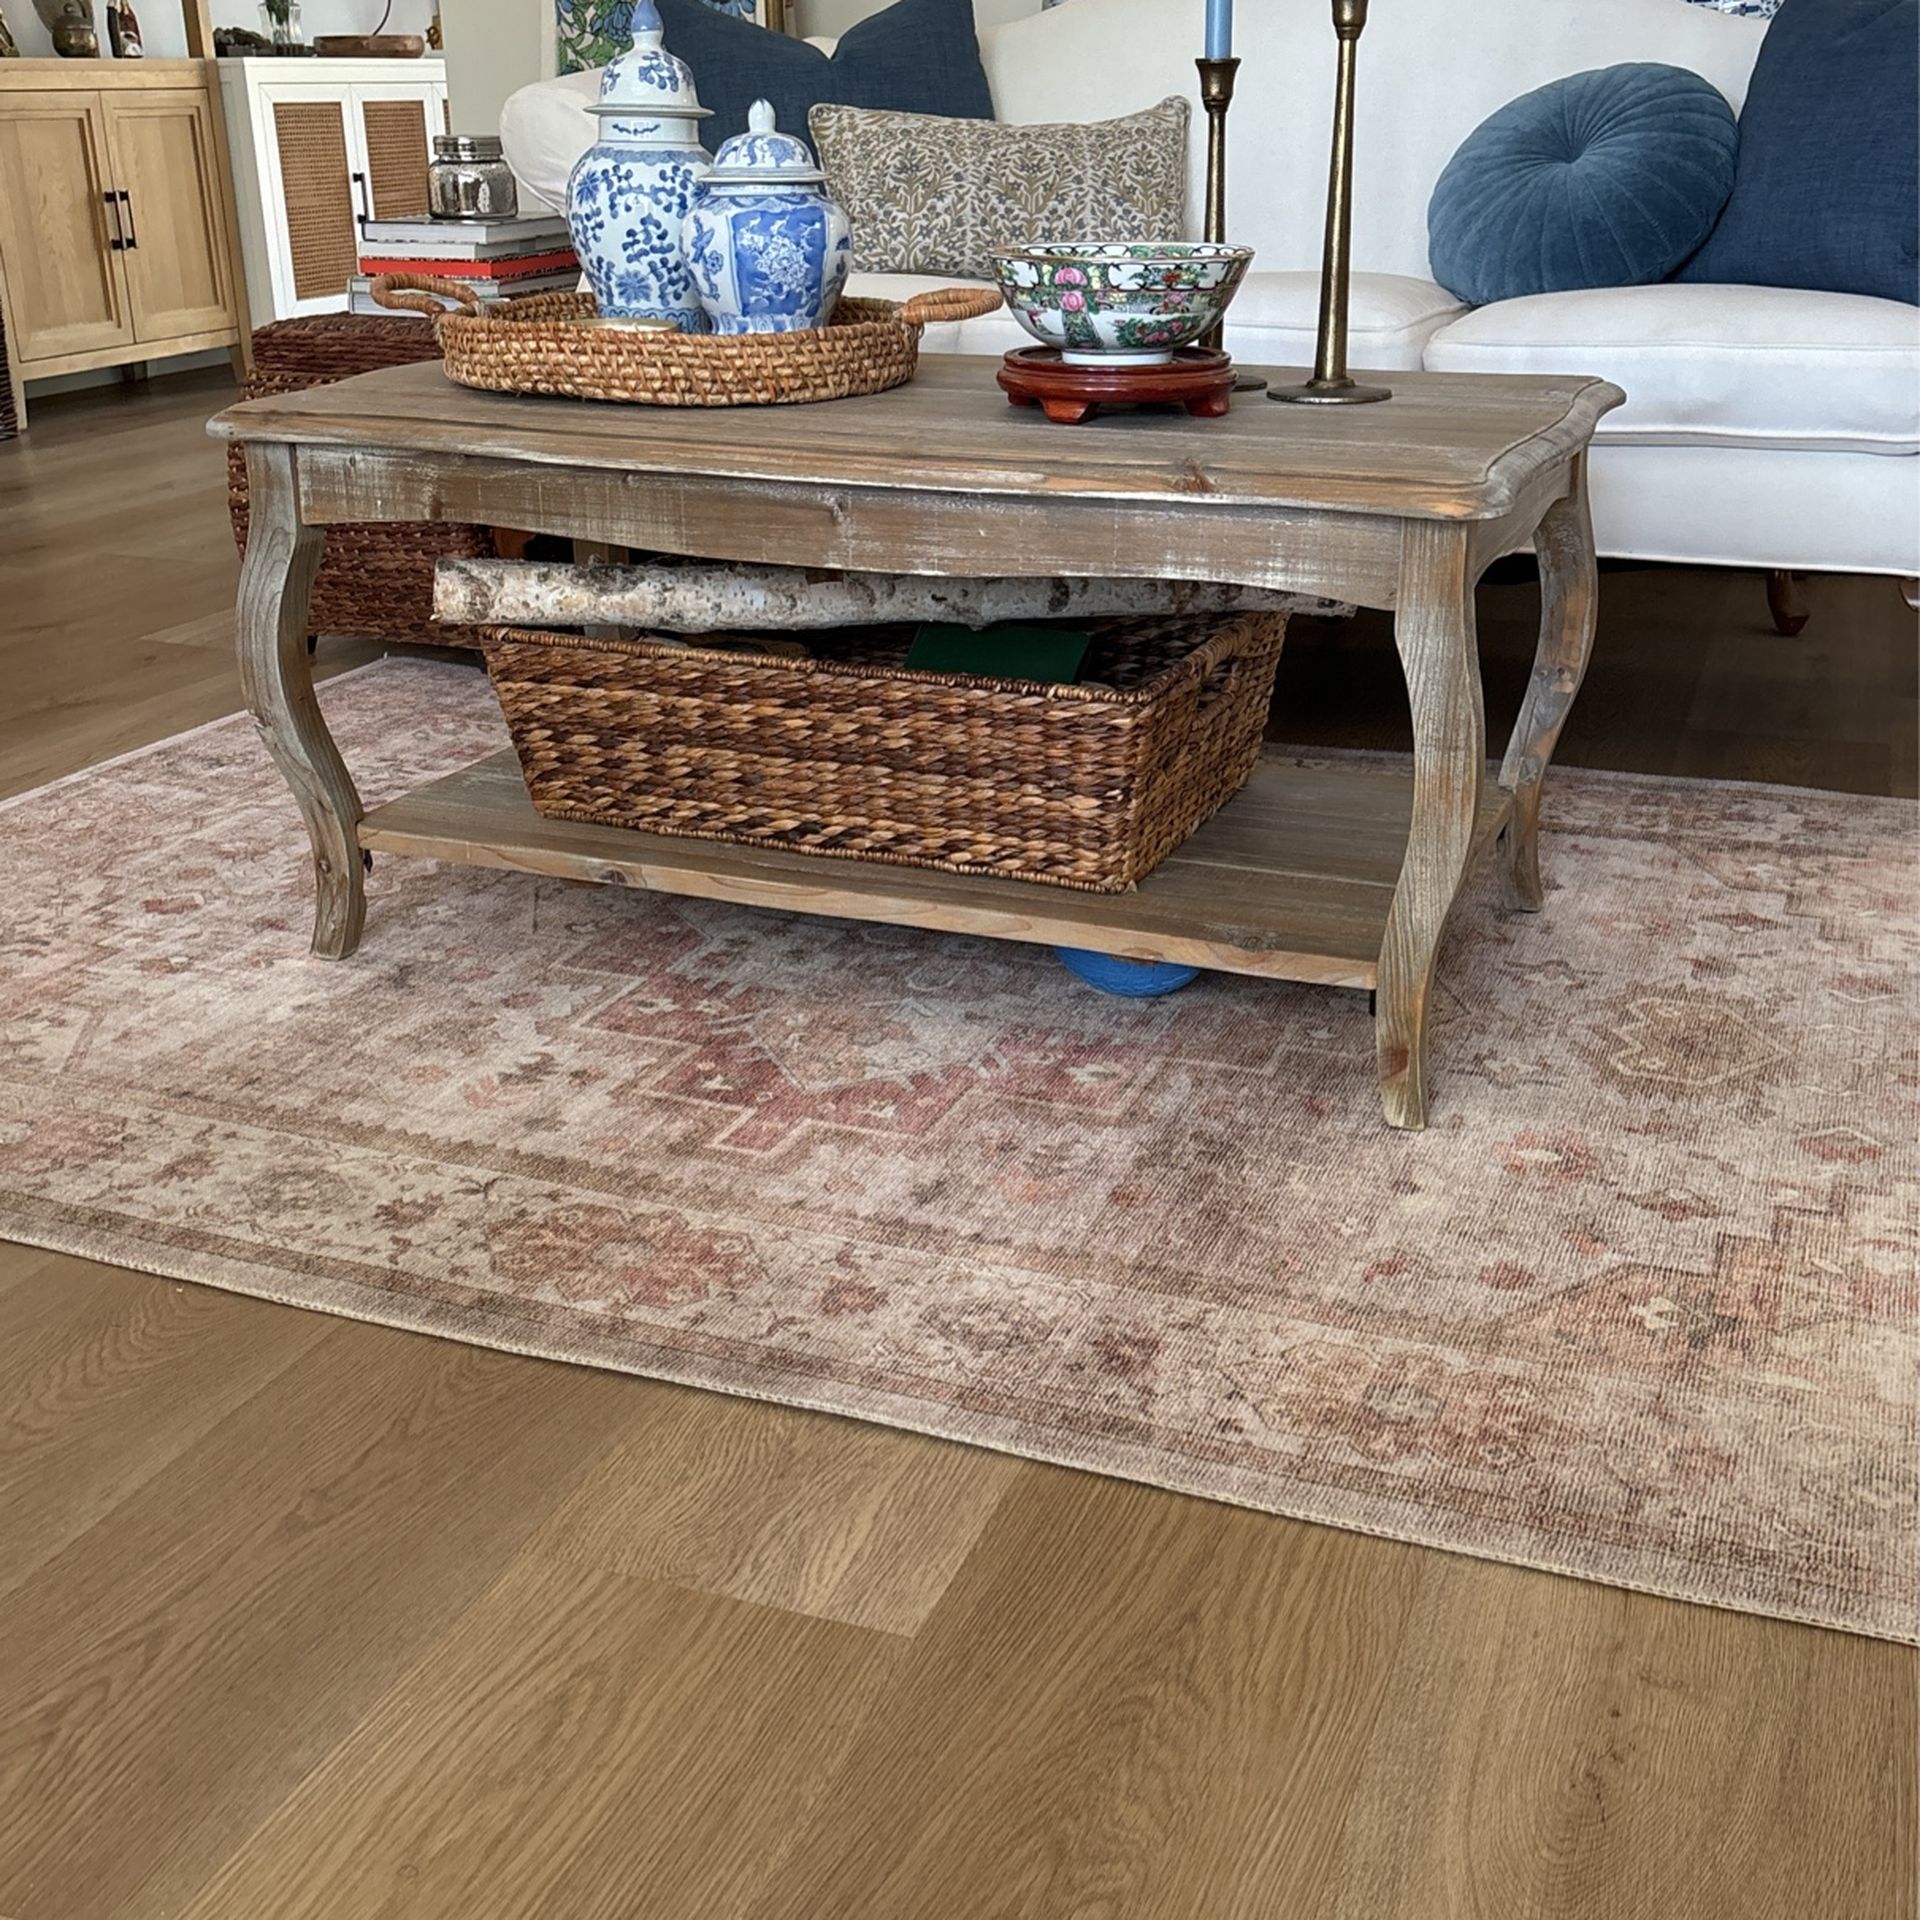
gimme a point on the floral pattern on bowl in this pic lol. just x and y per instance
(1120, 303)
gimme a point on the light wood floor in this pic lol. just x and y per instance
(300, 1618)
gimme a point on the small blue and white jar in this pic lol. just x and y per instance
(628, 196)
(768, 250)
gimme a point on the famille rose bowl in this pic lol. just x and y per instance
(1120, 303)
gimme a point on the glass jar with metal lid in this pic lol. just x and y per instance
(469, 179)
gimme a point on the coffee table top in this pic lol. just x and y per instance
(1447, 446)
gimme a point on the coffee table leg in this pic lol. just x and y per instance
(276, 584)
(1569, 604)
(1439, 653)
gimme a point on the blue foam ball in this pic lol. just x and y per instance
(1133, 979)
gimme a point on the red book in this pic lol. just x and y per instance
(520, 269)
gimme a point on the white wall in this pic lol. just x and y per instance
(164, 33)
(494, 48)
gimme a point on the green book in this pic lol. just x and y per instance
(1008, 651)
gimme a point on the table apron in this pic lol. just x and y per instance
(1344, 556)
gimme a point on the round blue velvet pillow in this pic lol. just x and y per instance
(1604, 179)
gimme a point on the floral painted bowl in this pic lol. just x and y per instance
(1120, 303)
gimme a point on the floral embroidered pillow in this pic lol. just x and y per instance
(931, 195)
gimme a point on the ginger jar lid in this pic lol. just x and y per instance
(763, 156)
(647, 79)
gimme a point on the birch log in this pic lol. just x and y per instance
(701, 598)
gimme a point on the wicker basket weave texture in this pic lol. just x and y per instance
(376, 580)
(850, 756)
(538, 345)
(9, 420)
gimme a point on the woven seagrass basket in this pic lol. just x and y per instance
(847, 754)
(376, 579)
(538, 345)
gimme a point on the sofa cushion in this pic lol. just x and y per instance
(1827, 193)
(1609, 178)
(927, 195)
(1273, 321)
(1710, 366)
(918, 56)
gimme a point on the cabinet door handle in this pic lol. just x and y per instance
(116, 241)
(133, 232)
(366, 199)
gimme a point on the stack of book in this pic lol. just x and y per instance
(498, 259)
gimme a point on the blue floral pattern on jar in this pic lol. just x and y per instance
(769, 252)
(629, 194)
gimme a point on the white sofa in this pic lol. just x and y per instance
(1763, 427)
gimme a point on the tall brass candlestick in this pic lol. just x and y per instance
(1216, 96)
(1331, 384)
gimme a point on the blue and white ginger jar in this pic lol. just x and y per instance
(768, 250)
(628, 196)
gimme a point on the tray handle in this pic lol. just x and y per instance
(950, 303)
(423, 293)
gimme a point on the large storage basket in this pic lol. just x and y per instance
(848, 754)
(376, 579)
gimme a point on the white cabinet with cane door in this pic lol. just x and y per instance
(114, 230)
(316, 151)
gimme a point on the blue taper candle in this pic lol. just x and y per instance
(1219, 29)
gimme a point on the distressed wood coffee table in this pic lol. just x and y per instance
(1343, 877)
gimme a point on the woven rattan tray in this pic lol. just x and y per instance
(539, 345)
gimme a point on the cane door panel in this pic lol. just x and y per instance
(394, 133)
(307, 178)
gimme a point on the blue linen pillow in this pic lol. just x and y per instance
(1827, 192)
(1604, 179)
(919, 56)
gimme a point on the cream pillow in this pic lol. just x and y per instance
(931, 195)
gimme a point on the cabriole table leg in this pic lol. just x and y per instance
(276, 584)
(1439, 653)
(1569, 606)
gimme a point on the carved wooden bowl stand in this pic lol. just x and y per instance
(1197, 378)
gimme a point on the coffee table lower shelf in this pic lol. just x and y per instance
(1291, 880)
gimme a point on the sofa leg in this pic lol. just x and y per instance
(1790, 612)
(1910, 593)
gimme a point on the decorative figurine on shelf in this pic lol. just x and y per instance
(9, 47)
(69, 24)
(74, 37)
(123, 31)
(630, 192)
(768, 250)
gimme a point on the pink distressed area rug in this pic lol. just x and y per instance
(1639, 1307)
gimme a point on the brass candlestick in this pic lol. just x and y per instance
(1216, 96)
(1331, 384)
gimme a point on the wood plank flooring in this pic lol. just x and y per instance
(303, 1618)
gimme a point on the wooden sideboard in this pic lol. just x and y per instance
(117, 237)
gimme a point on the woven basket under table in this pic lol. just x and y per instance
(376, 579)
(847, 754)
